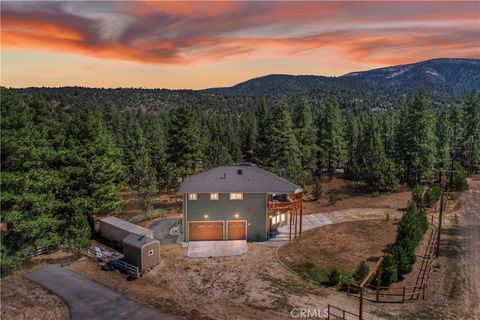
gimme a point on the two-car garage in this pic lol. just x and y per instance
(217, 230)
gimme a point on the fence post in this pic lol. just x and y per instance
(403, 296)
(328, 312)
(360, 311)
(423, 291)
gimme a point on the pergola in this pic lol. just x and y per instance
(294, 206)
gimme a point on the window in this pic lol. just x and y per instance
(236, 196)
(213, 196)
(150, 253)
(192, 196)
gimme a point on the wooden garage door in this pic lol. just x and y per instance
(237, 230)
(205, 231)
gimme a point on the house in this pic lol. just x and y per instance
(238, 203)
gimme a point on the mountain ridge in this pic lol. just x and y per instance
(441, 75)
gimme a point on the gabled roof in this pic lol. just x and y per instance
(244, 179)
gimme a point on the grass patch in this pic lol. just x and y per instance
(312, 271)
(335, 197)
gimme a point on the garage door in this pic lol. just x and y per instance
(205, 231)
(237, 230)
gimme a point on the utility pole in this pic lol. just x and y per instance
(470, 162)
(440, 217)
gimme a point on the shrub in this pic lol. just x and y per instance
(417, 195)
(310, 270)
(433, 194)
(334, 277)
(335, 197)
(361, 272)
(317, 190)
(389, 270)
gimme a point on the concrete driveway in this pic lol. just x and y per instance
(205, 249)
(89, 300)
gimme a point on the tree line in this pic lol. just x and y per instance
(62, 165)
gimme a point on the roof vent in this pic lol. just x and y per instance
(239, 172)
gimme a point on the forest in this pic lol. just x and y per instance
(64, 164)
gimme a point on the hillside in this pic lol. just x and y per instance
(454, 77)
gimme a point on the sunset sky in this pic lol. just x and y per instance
(206, 44)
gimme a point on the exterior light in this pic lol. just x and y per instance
(237, 215)
(205, 216)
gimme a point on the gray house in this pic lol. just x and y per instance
(238, 203)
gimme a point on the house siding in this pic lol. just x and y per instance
(252, 208)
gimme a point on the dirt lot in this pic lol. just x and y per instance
(22, 299)
(251, 286)
(355, 197)
(342, 245)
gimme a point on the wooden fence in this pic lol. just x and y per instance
(339, 313)
(406, 293)
(114, 261)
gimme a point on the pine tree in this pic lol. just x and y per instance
(353, 146)
(140, 172)
(92, 170)
(443, 134)
(416, 139)
(306, 136)
(378, 171)
(31, 137)
(283, 146)
(262, 152)
(155, 139)
(332, 148)
(184, 145)
(472, 130)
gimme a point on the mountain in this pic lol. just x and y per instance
(442, 77)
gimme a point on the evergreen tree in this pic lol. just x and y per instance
(389, 270)
(306, 136)
(184, 145)
(361, 272)
(141, 176)
(353, 146)
(156, 143)
(444, 134)
(30, 182)
(262, 152)
(92, 170)
(416, 139)
(378, 171)
(332, 148)
(317, 191)
(283, 146)
(472, 130)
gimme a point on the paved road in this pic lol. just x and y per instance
(89, 300)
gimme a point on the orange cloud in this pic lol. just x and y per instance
(182, 33)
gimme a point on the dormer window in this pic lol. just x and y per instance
(236, 196)
(192, 196)
(213, 196)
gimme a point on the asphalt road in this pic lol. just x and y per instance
(89, 300)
